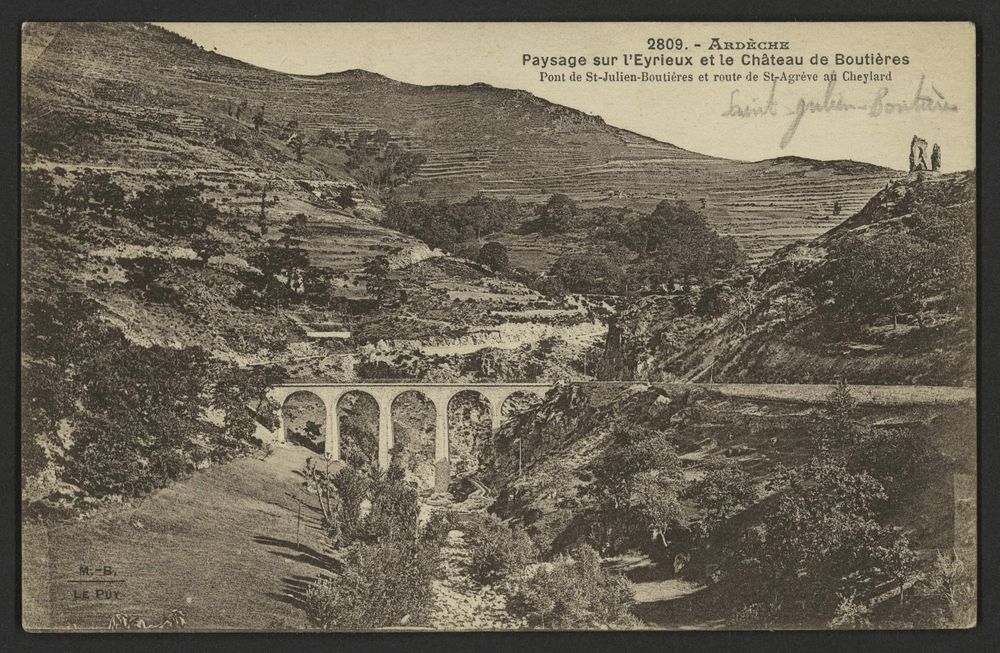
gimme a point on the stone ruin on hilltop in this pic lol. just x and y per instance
(918, 155)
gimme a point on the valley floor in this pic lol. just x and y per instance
(235, 546)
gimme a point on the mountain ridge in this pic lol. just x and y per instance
(477, 138)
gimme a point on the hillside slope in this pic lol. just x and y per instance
(886, 297)
(108, 83)
(219, 546)
(920, 446)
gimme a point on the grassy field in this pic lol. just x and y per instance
(220, 546)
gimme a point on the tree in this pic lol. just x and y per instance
(377, 266)
(297, 227)
(557, 214)
(636, 483)
(952, 586)
(92, 197)
(138, 420)
(380, 166)
(345, 197)
(287, 261)
(395, 506)
(448, 226)
(655, 499)
(318, 287)
(264, 187)
(678, 242)
(298, 142)
(327, 136)
(746, 299)
(715, 300)
(723, 492)
(592, 272)
(816, 543)
(494, 255)
(275, 261)
(174, 211)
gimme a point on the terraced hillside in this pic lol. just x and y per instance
(888, 296)
(141, 96)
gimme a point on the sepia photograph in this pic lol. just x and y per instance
(536, 326)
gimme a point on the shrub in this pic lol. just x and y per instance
(383, 584)
(141, 272)
(436, 530)
(395, 506)
(574, 593)
(498, 550)
(724, 491)
(345, 197)
(352, 488)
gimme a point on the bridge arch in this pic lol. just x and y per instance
(414, 428)
(517, 400)
(472, 409)
(297, 414)
(357, 438)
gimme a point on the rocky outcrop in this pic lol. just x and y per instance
(616, 364)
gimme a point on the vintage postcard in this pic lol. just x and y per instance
(498, 326)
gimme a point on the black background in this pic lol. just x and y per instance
(986, 636)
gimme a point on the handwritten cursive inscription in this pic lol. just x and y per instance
(833, 101)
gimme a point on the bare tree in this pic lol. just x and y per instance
(746, 298)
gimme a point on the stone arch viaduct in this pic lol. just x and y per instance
(384, 394)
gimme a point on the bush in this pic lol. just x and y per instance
(381, 585)
(353, 488)
(723, 492)
(436, 530)
(817, 542)
(395, 507)
(574, 593)
(498, 551)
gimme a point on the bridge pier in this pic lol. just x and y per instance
(496, 416)
(442, 459)
(385, 437)
(332, 447)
